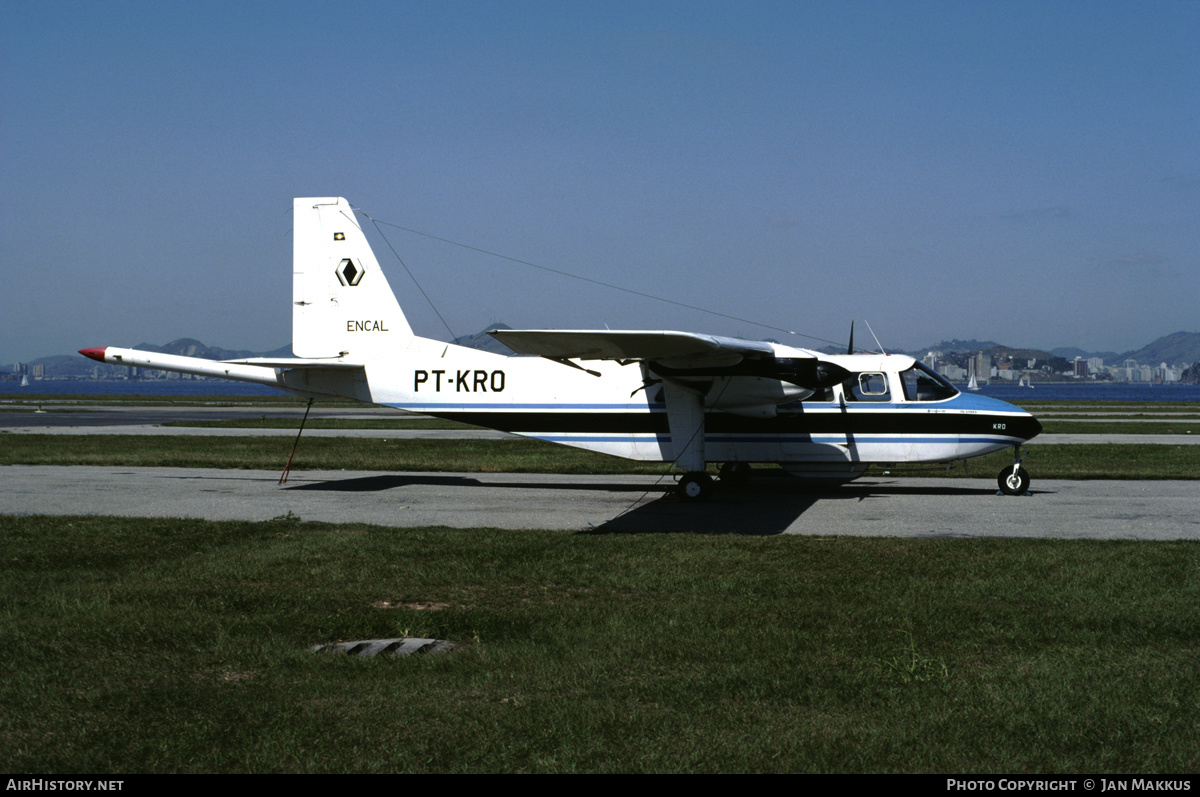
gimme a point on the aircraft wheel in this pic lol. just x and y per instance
(735, 472)
(695, 486)
(1013, 483)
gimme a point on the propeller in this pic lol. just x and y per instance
(850, 348)
(817, 374)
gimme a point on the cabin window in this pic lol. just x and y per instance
(870, 386)
(922, 384)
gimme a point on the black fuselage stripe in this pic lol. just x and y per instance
(724, 423)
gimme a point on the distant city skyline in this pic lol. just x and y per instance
(1025, 172)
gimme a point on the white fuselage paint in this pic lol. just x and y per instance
(614, 413)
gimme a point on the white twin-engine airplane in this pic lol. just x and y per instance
(657, 396)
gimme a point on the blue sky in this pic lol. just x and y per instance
(1023, 172)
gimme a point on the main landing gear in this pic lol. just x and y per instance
(695, 486)
(1014, 480)
(698, 485)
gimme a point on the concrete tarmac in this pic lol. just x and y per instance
(872, 506)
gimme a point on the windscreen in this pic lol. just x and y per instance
(923, 384)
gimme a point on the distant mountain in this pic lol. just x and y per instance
(961, 345)
(483, 341)
(1179, 348)
(1027, 354)
(65, 365)
(957, 350)
(74, 366)
(190, 347)
(1071, 352)
(1173, 349)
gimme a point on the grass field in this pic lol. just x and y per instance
(182, 646)
(34, 400)
(1079, 425)
(419, 422)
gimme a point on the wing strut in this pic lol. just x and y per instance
(284, 476)
(565, 361)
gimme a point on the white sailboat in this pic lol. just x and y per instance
(24, 380)
(972, 383)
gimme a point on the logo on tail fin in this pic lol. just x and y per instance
(349, 272)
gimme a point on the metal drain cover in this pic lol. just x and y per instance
(403, 646)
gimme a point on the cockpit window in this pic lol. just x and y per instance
(922, 384)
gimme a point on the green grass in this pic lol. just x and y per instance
(182, 646)
(315, 453)
(1164, 415)
(1083, 461)
(1119, 426)
(1116, 425)
(155, 400)
(1102, 404)
(398, 422)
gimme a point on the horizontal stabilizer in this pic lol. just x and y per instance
(294, 362)
(198, 366)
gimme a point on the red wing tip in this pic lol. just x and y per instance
(96, 352)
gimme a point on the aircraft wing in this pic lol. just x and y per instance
(654, 345)
(678, 354)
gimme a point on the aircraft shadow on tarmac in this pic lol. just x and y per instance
(764, 507)
(744, 512)
(372, 484)
(364, 484)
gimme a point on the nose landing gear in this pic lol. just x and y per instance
(1014, 480)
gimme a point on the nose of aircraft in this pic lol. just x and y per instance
(1034, 428)
(1022, 425)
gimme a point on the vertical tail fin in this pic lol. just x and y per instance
(342, 305)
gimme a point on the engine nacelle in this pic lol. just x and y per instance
(751, 396)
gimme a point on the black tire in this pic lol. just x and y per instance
(1013, 483)
(695, 486)
(735, 473)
